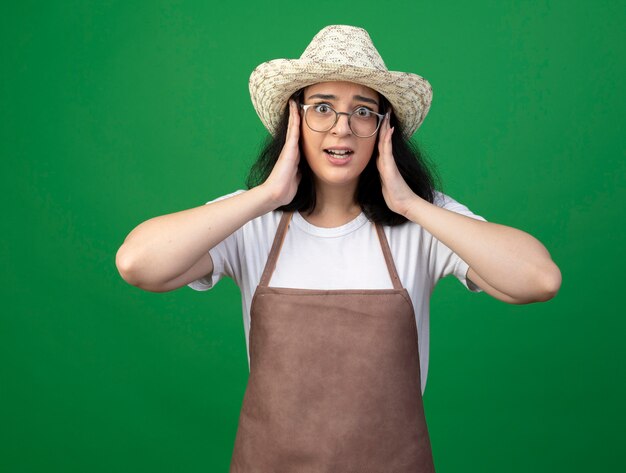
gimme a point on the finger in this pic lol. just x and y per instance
(294, 122)
(388, 146)
(382, 133)
(290, 124)
(382, 148)
(296, 116)
(386, 151)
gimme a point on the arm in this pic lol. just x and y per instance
(168, 251)
(505, 262)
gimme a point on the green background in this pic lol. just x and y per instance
(115, 112)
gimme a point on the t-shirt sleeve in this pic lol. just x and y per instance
(225, 256)
(446, 261)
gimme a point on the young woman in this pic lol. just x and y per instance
(336, 246)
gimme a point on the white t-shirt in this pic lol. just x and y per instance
(345, 257)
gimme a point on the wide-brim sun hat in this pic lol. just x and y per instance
(339, 53)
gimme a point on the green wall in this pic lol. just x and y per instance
(114, 112)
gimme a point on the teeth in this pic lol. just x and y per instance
(338, 152)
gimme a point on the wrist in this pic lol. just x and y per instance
(267, 197)
(415, 208)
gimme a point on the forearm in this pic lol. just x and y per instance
(509, 259)
(164, 247)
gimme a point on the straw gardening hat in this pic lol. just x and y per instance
(339, 53)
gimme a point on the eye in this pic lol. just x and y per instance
(363, 112)
(322, 108)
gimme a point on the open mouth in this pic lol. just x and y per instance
(339, 153)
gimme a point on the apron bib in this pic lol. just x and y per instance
(334, 383)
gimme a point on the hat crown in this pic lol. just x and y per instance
(346, 45)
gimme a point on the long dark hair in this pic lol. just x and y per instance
(420, 175)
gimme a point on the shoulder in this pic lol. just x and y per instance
(408, 227)
(411, 231)
(445, 201)
(226, 196)
(260, 227)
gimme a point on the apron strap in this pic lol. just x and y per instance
(279, 238)
(276, 246)
(395, 279)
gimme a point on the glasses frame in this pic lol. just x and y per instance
(305, 107)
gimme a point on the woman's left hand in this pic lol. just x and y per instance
(398, 195)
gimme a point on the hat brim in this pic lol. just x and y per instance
(273, 82)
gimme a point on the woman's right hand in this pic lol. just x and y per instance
(283, 181)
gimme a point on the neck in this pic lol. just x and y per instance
(334, 205)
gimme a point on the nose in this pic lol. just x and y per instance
(342, 127)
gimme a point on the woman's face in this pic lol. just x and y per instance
(318, 147)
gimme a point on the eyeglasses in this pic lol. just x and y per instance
(322, 117)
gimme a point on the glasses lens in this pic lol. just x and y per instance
(320, 117)
(363, 122)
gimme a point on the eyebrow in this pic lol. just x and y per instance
(334, 97)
